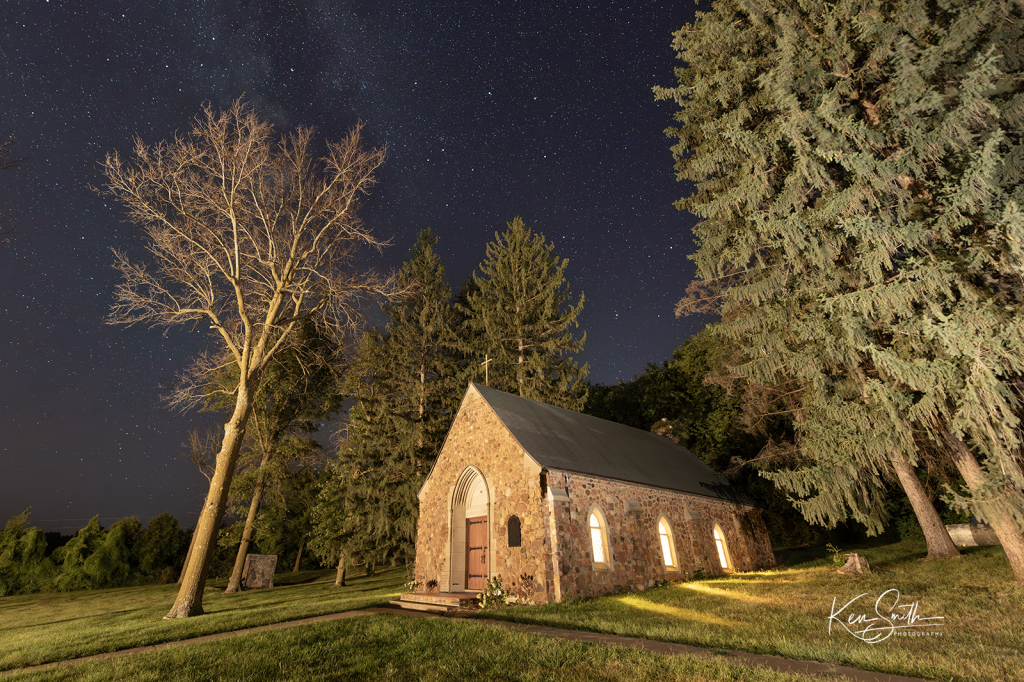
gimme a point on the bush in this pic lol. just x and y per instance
(24, 567)
(71, 557)
(126, 554)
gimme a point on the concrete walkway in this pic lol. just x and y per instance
(788, 665)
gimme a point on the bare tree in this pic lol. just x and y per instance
(251, 235)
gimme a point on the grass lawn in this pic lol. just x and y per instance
(385, 647)
(786, 612)
(782, 612)
(40, 628)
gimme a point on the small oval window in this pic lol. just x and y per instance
(515, 532)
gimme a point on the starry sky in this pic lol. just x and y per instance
(489, 110)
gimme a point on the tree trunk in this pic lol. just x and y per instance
(298, 559)
(1010, 536)
(339, 579)
(235, 583)
(423, 388)
(940, 545)
(521, 370)
(188, 556)
(423, 400)
(189, 601)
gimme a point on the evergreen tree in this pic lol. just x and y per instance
(681, 400)
(424, 373)
(519, 309)
(858, 170)
(405, 383)
(331, 527)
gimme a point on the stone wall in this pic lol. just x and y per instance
(478, 439)
(632, 513)
(556, 547)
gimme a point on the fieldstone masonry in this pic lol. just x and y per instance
(632, 513)
(479, 440)
(554, 508)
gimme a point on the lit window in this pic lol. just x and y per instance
(598, 538)
(668, 547)
(723, 555)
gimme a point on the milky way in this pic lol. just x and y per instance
(534, 109)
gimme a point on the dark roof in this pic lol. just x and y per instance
(562, 439)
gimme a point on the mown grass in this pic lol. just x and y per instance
(40, 628)
(782, 612)
(385, 647)
(786, 611)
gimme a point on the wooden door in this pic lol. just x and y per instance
(476, 553)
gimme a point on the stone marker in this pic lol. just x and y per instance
(972, 535)
(258, 571)
(855, 565)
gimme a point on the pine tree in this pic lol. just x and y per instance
(405, 383)
(858, 170)
(519, 310)
(419, 335)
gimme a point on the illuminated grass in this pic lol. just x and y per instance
(782, 612)
(40, 628)
(785, 612)
(400, 648)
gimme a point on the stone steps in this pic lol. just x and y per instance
(438, 602)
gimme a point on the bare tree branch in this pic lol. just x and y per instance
(250, 234)
(202, 447)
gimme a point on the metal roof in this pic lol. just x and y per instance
(562, 439)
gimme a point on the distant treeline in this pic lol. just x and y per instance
(127, 553)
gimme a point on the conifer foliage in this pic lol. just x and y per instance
(858, 169)
(519, 321)
(405, 386)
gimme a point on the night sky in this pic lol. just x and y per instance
(489, 110)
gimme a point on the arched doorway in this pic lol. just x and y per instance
(470, 564)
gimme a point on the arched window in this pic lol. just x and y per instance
(668, 545)
(599, 539)
(723, 549)
(515, 532)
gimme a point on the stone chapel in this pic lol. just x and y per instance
(583, 505)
